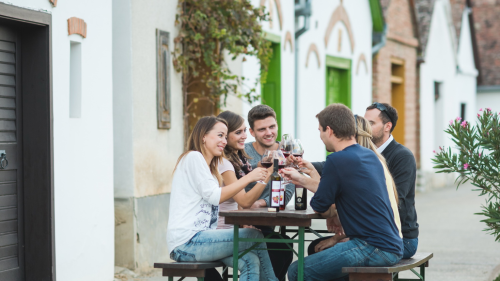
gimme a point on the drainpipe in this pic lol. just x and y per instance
(378, 40)
(302, 9)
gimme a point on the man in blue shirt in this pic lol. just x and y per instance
(352, 190)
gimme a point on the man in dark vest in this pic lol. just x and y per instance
(401, 163)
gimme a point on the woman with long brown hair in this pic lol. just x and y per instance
(194, 205)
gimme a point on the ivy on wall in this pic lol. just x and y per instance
(211, 31)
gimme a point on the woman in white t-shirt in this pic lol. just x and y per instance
(194, 205)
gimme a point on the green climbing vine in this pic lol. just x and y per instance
(212, 31)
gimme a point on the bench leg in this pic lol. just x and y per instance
(170, 278)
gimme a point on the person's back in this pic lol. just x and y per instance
(402, 165)
(354, 180)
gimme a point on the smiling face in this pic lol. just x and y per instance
(236, 139)
(265, 131)
(325, 137)
(215, 140)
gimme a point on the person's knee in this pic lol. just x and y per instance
(250, 233)
(249, 263)
(292, 272)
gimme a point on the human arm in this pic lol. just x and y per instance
(247, 198)
(298, 179)
(234, 188)
(328, 243)
(328, 190)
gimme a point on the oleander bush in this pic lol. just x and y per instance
(476, 159)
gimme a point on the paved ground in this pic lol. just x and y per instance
(449, 229)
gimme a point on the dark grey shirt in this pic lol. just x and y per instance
(255, 159)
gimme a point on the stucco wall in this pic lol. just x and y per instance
(83, 147)
(489, 99)
(312, 79)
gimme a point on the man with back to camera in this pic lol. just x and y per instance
(401, 163)
(264, 128)
(352, 179)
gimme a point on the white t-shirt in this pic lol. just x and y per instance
(194, 200)
(230, 204)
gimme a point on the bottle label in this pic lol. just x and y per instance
(282, 196)
(275, 194)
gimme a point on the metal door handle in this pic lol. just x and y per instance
(3, 160)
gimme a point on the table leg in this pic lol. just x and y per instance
(236, 244)
(301, 254)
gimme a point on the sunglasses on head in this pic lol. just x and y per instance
(382, 108)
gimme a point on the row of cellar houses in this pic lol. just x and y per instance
(92, 118)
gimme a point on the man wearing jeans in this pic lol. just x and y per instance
(352, 179)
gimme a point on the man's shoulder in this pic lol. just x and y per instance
(249, 147)
(398, 151)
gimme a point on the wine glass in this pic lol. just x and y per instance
(297, 150)
(286, 145)
(267, 161)
(281, 164)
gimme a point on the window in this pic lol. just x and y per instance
(462, 110)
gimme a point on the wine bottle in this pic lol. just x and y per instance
(300, 198)
(282, 197)
(275, 187)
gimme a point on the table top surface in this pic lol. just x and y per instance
(289, 212)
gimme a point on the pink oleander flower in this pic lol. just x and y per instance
(440, 148)
(478, 115)
(451, 122)
(480, 109)
(458, 119)
(466, 166)
(464, 124)
(434, 151)
(479, 154)
(489, 109)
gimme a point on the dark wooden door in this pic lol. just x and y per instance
(11, 203)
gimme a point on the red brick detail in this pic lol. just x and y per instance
(340, 14)
(361, 59)
(280, 13)
(77, 26)
(53, 2)
(288, 39)
(313, 49)
(403, 45)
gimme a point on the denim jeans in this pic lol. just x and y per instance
(217, 245)
(327, 264)
(410, 247)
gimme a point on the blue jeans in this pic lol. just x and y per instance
(217, 245)
(328, 264)
(410, 247)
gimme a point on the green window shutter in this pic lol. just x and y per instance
(271, 90)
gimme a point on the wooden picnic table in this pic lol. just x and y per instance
(261, 216)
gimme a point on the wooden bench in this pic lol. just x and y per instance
(390, 273)
(186, 269)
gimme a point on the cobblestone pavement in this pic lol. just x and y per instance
(448, 228)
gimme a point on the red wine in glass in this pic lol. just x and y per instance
(297, 154)
(266, 164)
(281, 166)
(286, 153)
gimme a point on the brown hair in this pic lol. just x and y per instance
(364, 138)
(234, 122)
(260, 112)
(195, 143)
(339, 118)
(388, 115)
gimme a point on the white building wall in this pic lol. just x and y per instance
(83, 147)
(489, 99)
(457, 74)
(312, 79)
